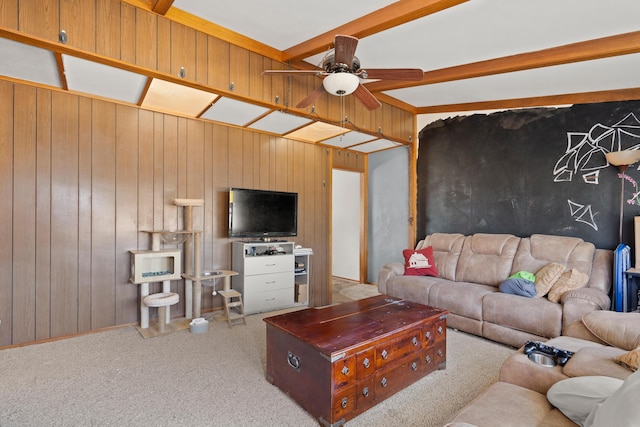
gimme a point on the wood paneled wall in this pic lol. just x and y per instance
(131, 35)
(80, 181)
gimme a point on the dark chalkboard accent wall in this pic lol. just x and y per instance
(530, 171)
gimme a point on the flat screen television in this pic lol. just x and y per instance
(262, 214)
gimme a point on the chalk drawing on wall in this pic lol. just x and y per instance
(582, 213)
(585, 157)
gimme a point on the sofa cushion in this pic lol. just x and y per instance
(596, 361)
(620, 330)
(461, 298)
(446, 252)
(546, 277)
(539, 250)
(536, 316)
(568, 281)
(419, 262)
(487, 258)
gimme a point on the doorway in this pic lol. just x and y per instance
(347, 225)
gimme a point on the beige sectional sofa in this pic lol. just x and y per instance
(471, 268)
(519, 398)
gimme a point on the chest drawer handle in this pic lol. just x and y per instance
(384, 354)
(428, 335)
(414, 366)
(293, 361)
(383, 382)
(414, 341)
(345, 370)
(440, 353)
(428, 359)
(344, 402)
(366, 363)
(365, 391)
(440, 330)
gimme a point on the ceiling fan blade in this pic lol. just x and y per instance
(345, 49)
(311, 98)
(408, 74)
(266, 72)
(368, 100)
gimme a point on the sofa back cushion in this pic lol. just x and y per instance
(446, 251)
(487, 258)
(539, 250)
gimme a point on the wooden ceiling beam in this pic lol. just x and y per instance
(390, 16)
(622, 44)
(539, 101)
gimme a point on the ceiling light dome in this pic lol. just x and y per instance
(341, 84)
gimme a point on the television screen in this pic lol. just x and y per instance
(261, 213)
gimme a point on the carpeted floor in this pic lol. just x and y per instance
(216, 378)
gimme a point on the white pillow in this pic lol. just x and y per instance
(577, 397)
(621, 409)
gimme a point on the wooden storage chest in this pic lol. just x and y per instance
(338, 361)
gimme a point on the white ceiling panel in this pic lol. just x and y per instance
(279, 123)
(348, 139)
(279, 23)
(103, 80)
(30, 63)
(232, 111)
(377, 145)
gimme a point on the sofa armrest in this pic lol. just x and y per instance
(579, 302)
(387, 272)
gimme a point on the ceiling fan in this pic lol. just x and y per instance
(342, 74)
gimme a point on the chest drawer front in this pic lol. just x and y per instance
(394, 349)
(344, 372)
(344, 402)
(268, 264)
(434, 332)
(267, 282)
(394, 379)
(365, 362)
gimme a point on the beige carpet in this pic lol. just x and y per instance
(118, 378)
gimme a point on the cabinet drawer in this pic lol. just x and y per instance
(269, 282)
(397, 348)
(268, 264)
(398, 377)
(268, 300)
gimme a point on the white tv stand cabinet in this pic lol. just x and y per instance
(265, 275)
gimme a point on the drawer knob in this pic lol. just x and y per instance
(414, 341)
(383, 382)
(414, 366)
(365, 391)
(384, 354)
(428, 335)
(428, 359)
(440, 330)
(440, 353)
(345, 370)
(366, 362)
(344, 402)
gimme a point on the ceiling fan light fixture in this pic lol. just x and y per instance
(341, 84)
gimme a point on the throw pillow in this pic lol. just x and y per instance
(572, 279)
(419, 262)
(630, 359)
(577, 397)
(621, 409)
(620, 330)
(546, 277)
(518, 286)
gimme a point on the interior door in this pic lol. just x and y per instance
(346, 224)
